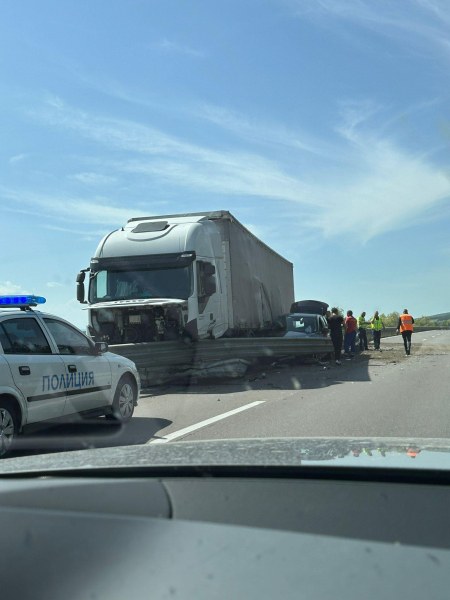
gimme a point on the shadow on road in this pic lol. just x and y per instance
(89, 433)
(288, 374)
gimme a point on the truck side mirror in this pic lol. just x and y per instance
(80, 287)
(80, 293)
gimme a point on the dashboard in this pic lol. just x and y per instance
(200, 536)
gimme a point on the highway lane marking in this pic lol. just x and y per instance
(200, 424)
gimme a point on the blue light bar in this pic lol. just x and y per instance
(20, 301)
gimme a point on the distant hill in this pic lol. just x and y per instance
(440, 317)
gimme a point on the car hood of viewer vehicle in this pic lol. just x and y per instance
(378, 453)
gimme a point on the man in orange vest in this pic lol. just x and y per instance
(405, 326)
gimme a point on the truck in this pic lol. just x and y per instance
(184, 276)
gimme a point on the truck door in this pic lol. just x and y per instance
(210, 314)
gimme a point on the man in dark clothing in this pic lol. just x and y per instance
(335, 322)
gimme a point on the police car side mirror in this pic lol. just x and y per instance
(101, 347)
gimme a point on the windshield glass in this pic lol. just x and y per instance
(307, 324)
(150, 283)
(244, 207)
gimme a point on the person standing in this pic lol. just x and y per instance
(335, 322)
(362, 332)
(377, 325)
(406, 327)
(350, 326)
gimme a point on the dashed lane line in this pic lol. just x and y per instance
(176, 434)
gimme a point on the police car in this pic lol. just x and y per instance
(49, 369)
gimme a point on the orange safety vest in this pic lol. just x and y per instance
(407, 324)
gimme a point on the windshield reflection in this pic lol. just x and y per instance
(148, 283)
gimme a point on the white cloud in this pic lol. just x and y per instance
(17, 158)
(379, 186)
(387, 189)
(8, 287)
(54, 284)
(95, 211)
(93, 179)
(420, 25)
(255, 130)
(171, 47)
(177, 161)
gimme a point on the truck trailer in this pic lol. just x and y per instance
(198, 275)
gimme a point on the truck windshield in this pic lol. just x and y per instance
(145, 283)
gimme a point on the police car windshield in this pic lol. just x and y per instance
(196, 186)
(141, 284)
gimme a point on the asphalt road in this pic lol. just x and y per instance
(376, 394)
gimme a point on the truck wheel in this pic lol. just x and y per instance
(124, 400)
(9, 426)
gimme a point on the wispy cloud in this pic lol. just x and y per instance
(17, 158)
(255, 130)
(98, 211)
(93, 179)
(54, 284)
(178, 161)
(383, 186)
(172, 47)
(410, 22)
(387, 188)
(8, 287)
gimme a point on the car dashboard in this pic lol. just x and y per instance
(165, 533)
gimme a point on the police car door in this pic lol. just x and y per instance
(88, 373)
(36, 371)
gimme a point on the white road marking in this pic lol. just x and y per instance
(200, 424)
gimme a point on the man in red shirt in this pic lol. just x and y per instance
(350, 326)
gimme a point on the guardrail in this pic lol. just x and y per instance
(161, 361)
(157, 360)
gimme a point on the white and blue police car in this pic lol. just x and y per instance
(49, 370)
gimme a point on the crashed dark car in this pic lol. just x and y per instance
(306, 319)
(305, 325)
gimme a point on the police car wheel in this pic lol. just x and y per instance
(124, 400)
(9, 426)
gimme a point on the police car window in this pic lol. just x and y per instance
(68, 339)
(23, 336)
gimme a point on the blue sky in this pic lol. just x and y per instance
(323, 126)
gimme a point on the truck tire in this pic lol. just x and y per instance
(124, 400)
(9, 425)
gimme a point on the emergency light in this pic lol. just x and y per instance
(20, 301)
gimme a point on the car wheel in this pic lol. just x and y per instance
(9, 426)
(124, 400)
